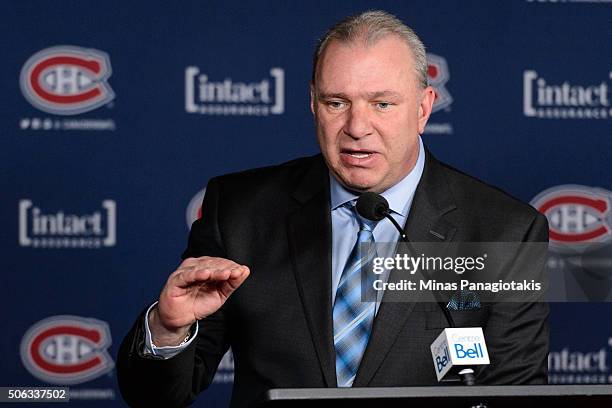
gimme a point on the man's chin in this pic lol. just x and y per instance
(358, 185)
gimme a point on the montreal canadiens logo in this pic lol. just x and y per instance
(67, 349)
(194, 209)
(67, 80)
(577, 215)
(438, 75)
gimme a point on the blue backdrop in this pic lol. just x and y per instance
(115, 115)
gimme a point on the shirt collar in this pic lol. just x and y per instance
(399, 195)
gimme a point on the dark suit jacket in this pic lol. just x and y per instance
(278, 323)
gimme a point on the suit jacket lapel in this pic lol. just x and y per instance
(425, 223)
(310, 244)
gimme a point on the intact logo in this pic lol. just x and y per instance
(67, 350)
(67, 80)
(545, 100)
(577, 215)
(194, 209)
(567, 366)
(208, 96)
(40, 228)
(438, 75)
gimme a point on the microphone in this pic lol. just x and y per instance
(375, 207)
(456, 350)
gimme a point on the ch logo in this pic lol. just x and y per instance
(67, 80)
(67, 349)
(577, 215)
(438, 75)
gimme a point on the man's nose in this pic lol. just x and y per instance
(358, 122)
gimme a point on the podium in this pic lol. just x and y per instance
(558, 396)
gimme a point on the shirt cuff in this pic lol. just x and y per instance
(165, 352)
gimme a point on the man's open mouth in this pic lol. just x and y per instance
(358, 154)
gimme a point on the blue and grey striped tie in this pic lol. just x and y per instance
(352, 317)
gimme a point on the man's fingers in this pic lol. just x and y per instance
(185, 277)
(238, 276)
(189, 276)
(208, 262)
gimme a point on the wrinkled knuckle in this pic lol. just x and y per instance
(188, 261)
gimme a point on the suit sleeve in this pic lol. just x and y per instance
(517, 334)
(175, 382)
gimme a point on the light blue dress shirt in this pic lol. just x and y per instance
(345, 226)
(344, 236)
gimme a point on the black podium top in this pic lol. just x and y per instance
(522, 396)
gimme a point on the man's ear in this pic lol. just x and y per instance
(312, 98)
(428, 96)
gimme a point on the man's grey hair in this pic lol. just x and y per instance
(371, 26)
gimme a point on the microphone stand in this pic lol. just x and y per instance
(375, 207)
(466, 374)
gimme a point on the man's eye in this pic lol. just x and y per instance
(383, 105)
(335, 104)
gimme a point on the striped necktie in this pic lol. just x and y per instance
(352, 317)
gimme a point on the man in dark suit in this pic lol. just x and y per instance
(289, 229)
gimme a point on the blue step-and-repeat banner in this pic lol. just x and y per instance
(115, 114)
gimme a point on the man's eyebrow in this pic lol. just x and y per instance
(332, 95)
(368, 95)
(380, 94)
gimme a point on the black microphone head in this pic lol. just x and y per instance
(372, 206)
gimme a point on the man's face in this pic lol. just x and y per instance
(369, 111)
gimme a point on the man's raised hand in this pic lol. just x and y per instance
(197, 289)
